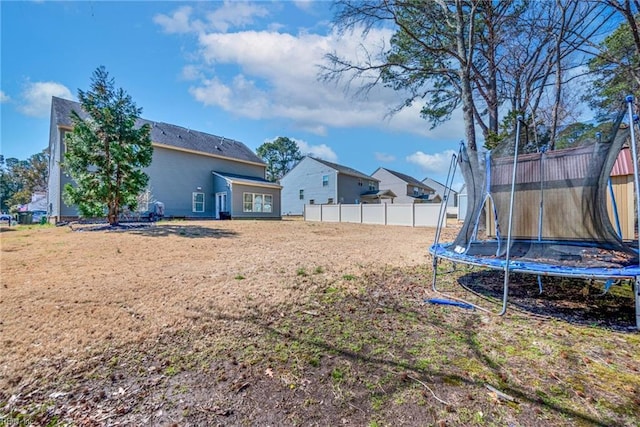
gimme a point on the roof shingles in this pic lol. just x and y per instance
(169, 135)
(346, 170)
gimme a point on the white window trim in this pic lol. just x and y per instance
(194, 202)
(253, 197)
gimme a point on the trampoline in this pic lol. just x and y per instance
(548, 212)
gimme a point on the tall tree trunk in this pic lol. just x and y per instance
(465, 53)
(555, 118)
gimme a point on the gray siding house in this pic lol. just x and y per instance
(315, 181)
(195, 175)
(407, 188)
(441, 189)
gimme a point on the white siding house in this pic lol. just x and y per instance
(315, 181)
(441, 189)
(407, 188)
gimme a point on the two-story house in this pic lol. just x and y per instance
(316, 181)
(441, 190)
(195, 174)
(407, 188)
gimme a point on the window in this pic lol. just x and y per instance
(197, 202)
(416, 191)
(372, 185)
(330, 201)
(359, 182)
(312, 202)
(301, 194)
(257, 202)
(325, 180)
(268, 203)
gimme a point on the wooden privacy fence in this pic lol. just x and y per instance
(410, 215)
(562, 217)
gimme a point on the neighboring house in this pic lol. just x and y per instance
(407, 188)
(315, 181)
(195, 175)
(38, 203)
(462, 203)
(441, 189)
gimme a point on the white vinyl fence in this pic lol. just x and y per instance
(410, 215)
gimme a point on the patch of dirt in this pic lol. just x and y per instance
(286, 323)
(583, 302)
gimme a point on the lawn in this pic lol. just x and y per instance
(295, 323)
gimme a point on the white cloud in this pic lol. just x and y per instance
(321, 151)
(283, 71)
(273, 75)
(191, 72)
(235, 14)
(437, 163)
(178, 22)
(305, 5)
(384, 157)
(232, 14)
(4, 97)
(37, 97)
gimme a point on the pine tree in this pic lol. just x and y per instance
(105, 152)
(280, 155)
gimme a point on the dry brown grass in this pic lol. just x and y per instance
(65, 293)
(289, 323)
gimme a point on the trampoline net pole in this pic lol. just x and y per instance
(443, 213)
(510, 226)
(634, 155)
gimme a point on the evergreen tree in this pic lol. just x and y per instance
(19, 179)
(105, 152)
(616, 70)
(280, 155)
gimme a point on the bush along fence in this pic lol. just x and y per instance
(410, 215)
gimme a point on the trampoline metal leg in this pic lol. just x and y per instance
(434, 287)
(505, 293)
(636, 293)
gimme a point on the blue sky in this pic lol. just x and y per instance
(242, 70)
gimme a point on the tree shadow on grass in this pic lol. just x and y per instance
(365, 358)
(391, 352)
(188, 231)
(158, 230)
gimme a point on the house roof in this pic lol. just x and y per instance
(624, 163)
(247, 180)
(168, 135)
(346, 170)
(428, 197)
(38, 203)
(408, 179)
(436, 185)
(574, 163)
(378, 194)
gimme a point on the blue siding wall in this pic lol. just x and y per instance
(237, 199)
(175, 175)
(220, 185)
(173, 178)
(53, 183)
(64, 179)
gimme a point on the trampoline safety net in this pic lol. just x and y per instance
(563, 209)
